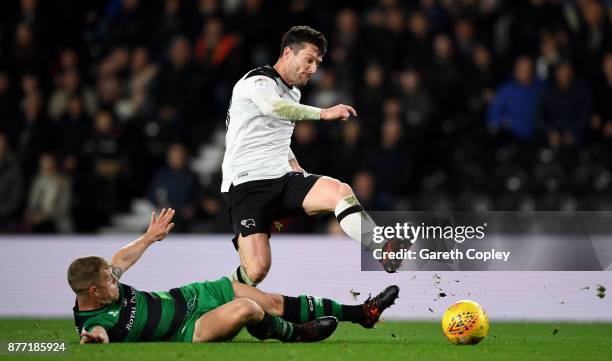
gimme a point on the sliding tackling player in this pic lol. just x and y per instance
(109, 311)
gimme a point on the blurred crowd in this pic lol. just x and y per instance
(463, 104)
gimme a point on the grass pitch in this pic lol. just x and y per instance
(389, 341)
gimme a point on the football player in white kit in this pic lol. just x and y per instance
(262, 179)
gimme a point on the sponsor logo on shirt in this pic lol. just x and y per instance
(130, 322)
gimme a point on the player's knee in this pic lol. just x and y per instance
(276, 304)
(257, 269)
(247, 310)
(344, 190)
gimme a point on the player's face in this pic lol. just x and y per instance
(303, 64)
(107, 288)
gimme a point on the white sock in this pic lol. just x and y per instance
(355, 222)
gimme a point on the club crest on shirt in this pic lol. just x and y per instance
(261, 82)
(247, 222)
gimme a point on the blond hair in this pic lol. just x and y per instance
(85, 271)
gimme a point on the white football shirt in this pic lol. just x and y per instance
(260, 123)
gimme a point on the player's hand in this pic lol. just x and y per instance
(88, 337)
(161, 226)
(339, 112)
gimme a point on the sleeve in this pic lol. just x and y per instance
(261, 90)
(104, 322)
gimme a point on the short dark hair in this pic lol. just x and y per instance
(84, 272)
(297, 36)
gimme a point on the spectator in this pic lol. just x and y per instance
(344, 56)
(388, 162)
(465, 39)
(174, 91)
(389, 54)
(27, 55)
(549, 58)
(419, 41)
(328, 93)
(104, 150)
(444, 79)
(364, 186)
(371, 97)
(37, 134)
(416, 103)
(9, 107)
(216, 49)
(76, 127)
(11, 185)
(170, 23)
(176, 186)
(217, 52)
(532, 18)
(481, 80)
(128, 27)
(593, 38)
(307, 147)
(565, 107)
(602, 117)
(68, 60)
(347, 156)
(134, 98)
(48, 209)
(69, 84)
(109, 93)
(514, 107)
(206, 9)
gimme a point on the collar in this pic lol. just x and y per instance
(278, 75)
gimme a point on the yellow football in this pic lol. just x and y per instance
(465, 323)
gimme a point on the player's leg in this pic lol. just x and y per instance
(306, 308)
(325, 195)
(225, 322)
(270, 302)
(251, 206)
(255, 259)
(331, 195)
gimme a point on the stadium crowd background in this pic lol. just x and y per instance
(463, 104)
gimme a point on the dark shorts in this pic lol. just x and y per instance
(253, 206)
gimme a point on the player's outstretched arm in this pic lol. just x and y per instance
(261, 91)
(97, 335)
(159, 227)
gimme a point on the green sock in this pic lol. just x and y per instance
(307, 308)
(274, 327)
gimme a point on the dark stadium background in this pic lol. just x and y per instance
(94, 96)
